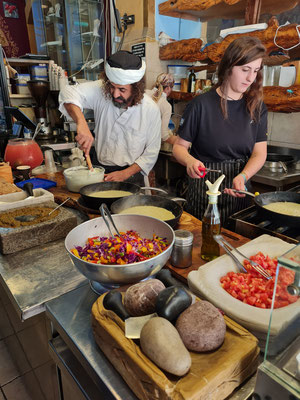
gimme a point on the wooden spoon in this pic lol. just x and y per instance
(89, 163)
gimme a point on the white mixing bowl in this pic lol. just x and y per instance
(77, 177)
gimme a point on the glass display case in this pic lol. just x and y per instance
(72, 33)
(279, 375)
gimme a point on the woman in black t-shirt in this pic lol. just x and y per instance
(226, 129)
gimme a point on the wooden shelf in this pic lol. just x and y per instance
(276, 98)
(20, 96)
(226, 9)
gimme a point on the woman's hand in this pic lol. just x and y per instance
(238, 183)
(192, 167)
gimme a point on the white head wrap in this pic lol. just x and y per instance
(127, 68)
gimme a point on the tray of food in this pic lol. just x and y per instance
(249, 303)
(186, 350)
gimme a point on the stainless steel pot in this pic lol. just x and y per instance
(115, 275)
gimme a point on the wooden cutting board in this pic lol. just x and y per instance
(213, 375)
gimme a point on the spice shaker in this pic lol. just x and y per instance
(181, 256)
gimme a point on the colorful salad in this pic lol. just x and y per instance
(127, 248)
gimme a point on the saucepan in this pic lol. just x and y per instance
(145, 200)
(263, 199)
(93, 202)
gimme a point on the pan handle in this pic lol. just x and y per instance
(178, 199)
(153, 188)
(243, 192)
(284, 167)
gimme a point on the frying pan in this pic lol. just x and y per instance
(272, 197)
(146, 200)
(95, 202)
(287, 159)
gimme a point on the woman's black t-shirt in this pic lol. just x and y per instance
(215, 138)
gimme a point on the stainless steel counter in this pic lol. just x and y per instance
(70, 316)
(34, 276)
(277, 179)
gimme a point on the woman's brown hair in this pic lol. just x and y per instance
(137, 94)
(240, 52)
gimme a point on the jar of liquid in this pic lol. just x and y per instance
(181, 256)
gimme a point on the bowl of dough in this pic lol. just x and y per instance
(77, 177)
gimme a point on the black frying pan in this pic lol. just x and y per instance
(145, 200)
(271, 197)
(287, 159)
(95, 202)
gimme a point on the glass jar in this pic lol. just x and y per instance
(181, 256)
(23, 152)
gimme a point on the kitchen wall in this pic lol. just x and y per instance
(284, 129)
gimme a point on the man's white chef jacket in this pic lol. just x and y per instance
(121, 137)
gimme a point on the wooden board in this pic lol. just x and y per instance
(213, 375)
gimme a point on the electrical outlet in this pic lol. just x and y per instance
(128, 19)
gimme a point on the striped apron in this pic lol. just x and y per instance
(197, 199)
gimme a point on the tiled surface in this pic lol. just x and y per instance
(26, 372)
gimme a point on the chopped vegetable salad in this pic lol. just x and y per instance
(127, 248)
(251, 288)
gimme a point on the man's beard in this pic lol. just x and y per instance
(122, 104)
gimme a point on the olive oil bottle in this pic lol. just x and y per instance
(211, 224)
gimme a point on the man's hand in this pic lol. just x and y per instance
(116, 176)
(84, 138)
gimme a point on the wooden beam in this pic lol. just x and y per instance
(252, 13)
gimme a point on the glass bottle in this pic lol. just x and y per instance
(192, 82)
(211, 225)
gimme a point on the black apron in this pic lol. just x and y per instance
(197, 199)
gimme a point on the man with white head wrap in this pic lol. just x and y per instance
(127, 122)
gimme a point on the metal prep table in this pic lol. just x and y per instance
(76, 353)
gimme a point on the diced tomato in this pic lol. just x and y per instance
(251, 288)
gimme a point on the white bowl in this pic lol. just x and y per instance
(77, 177)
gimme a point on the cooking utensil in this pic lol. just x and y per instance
(203, 171)
(146, 200)
(26, 218)
(108, 219)
(89, 162)
(116, 275)
(263, 199)
(78, 177)
(28, 187)
(95, 202)
(229, 249)
(61, 204)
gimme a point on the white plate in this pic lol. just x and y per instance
(206, 283)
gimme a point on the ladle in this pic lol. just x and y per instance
(106, 215)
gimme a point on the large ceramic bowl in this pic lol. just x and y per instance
(116, 275)
(77, 177)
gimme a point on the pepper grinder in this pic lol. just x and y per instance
(181, 256)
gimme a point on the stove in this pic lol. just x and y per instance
(279, 179)
(250, 223)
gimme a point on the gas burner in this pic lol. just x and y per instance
(250, 223)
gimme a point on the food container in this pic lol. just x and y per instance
(181, 256)
(278, 377)
(77, 177)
